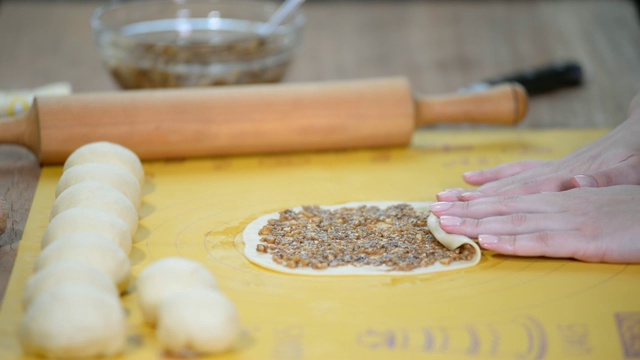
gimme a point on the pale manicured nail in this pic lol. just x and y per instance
(449, 191)
(470, 173)
(440, 206)
(450, 221)
(585, 181)
(470, 195)
(488, 239)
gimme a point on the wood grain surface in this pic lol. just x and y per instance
(439, 46)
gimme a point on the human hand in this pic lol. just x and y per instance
(589, 224)
(611, 160)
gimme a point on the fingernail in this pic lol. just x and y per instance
(470, 173)
(488, 239)
(449, 191)
(440, 206)
(450, 221)
(470, 195)
(585, 181)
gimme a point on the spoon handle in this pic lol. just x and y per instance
(283, 11)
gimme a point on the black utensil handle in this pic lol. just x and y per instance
(545, 79)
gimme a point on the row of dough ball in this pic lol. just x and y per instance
(181, 298)
(72, 301)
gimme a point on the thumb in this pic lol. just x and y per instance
(623, 173)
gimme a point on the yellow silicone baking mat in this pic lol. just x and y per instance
(504, 308)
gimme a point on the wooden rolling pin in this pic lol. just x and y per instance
(195, 122)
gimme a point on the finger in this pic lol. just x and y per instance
(516, 223)
(557, 244)
(522, 186)
(498, 205)
(623, 173)
(499, 172)
(450, 194)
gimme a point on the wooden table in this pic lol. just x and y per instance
(439, 45)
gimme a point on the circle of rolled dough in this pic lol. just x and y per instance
(88, 220)
(251, 238)
(107, 173)
(64, 273)
(168, 276)
(212, 329)
(104, 151)
(73, 321)
(93, 194)
(90, 248)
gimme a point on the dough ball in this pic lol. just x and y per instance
(90, 248)
(110, 174)
(65, 273)
(104, 151)
(93, 194)
(88, 220)
(168, 276)
(73, 321)
(197, 320)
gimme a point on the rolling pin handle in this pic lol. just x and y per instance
(504, 104)
(21, 130)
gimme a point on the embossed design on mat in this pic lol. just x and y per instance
(629, 330)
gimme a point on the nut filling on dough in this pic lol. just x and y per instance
(396, 237)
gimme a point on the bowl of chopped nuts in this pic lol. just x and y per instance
(189, 43)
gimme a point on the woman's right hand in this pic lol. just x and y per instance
(611, 160)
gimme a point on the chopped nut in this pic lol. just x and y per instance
(396, 237)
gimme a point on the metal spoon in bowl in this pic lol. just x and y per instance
(263, 31)
(287, 7)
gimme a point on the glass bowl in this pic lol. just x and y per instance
(188, 43)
